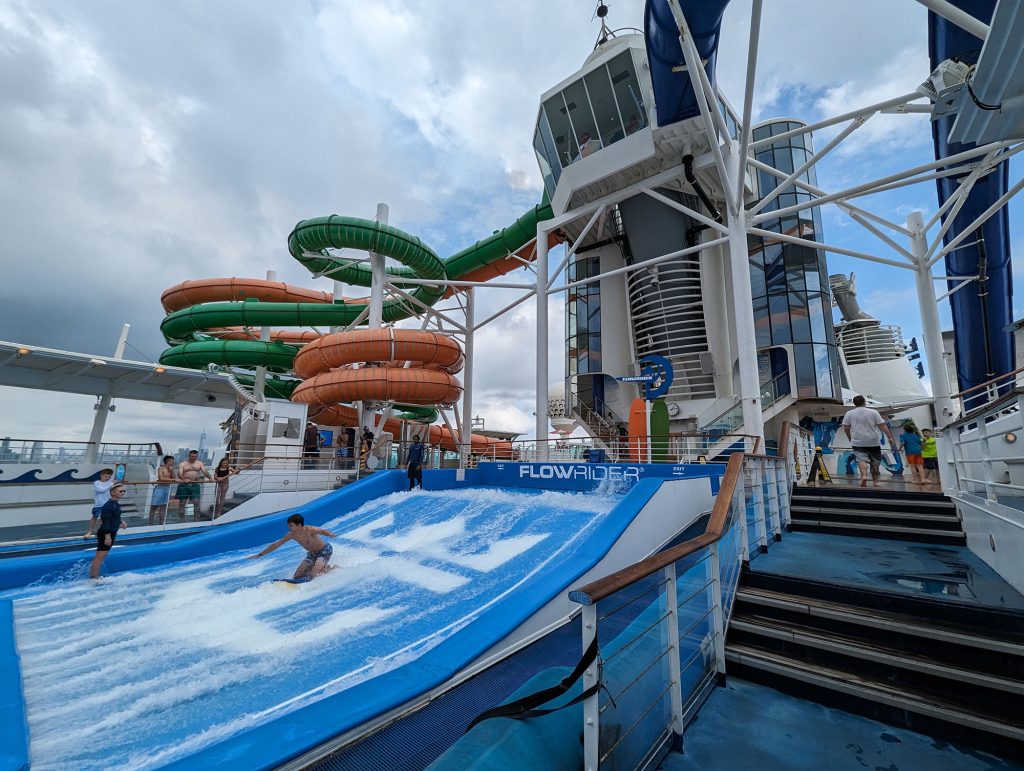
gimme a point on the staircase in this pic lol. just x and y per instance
(915, 631)
(952, 670)
(873, 513)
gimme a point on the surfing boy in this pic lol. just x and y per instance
(318, 551)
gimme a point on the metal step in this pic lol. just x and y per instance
(879, 531)
(876, 619)
(857, 649)
(885, 518)
(880, 693)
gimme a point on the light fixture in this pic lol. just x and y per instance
(24, 352)
(1009, 437)
(96, 362)
(159, 371)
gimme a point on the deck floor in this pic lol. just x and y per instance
(952, 573)
(747, 726)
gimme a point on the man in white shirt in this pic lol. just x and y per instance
(864, 427)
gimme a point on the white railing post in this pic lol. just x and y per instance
(784, 492)
(739, 503)
(986, 459)
(674, 663)
(760, 519)
(770, 470)
(591, 706)
(717, 615)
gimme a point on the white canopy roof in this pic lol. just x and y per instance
(48, 369)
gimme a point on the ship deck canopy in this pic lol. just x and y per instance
(48, 369)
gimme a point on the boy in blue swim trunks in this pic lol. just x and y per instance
(318, 551)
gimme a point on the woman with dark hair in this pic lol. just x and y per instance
(221, 474)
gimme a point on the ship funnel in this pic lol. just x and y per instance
(844, 293)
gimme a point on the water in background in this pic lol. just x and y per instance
(151, 666)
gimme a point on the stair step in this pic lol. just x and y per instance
(876, 504)
(869, 690)
(878, 619)
(931, 516)
(930, 610)
(858, 649)
(879, 531)
(872, 493)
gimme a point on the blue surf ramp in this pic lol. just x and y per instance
(206, 661)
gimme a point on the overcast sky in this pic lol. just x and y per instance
(143, 143)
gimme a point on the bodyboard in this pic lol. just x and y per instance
(659, 431)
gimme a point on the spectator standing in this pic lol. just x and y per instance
(414, 463)
(110, 524)
(221, 474)
(162, 491)
(367, 444)
(189, 487)
(930, 457)
(864, 427)
(910, 443)
(100, 495)
(310, 446)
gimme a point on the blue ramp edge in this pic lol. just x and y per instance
(13, 726)
(271, 744)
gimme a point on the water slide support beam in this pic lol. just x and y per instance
(748, 96)
(772, 235)
(541, 414)
(260, 383)
(99, 422)
(743, 318)
(704, 91)
(958, 17)
(931, 330)
(378, 276)
(467, 378)
(981, 220)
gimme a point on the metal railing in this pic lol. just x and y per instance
(771, 392)
(984, 449)
(61, 451)
(673, 610)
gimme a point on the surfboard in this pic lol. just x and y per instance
(638, 431)
(658, 422)
(292, 580)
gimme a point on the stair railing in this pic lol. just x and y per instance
(652, 677)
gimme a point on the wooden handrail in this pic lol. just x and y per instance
(986, 384)
(607, 586)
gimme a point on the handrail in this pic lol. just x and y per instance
(987, 383)
(605, 587)
(995, 405)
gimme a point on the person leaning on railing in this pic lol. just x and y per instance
(162, 491)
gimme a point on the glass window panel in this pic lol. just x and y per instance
(783, 160)
(806, 378)
(762, 322)
(778, 307)
(774, 269)
(816, 311)
(798, 317)
(796, 266)
(582, 119)
(779, 128)
(602, 100)
(812, 277)
(558, 118)
(762, 132)
(787, 199)
(545, 172)
(758, 287)
(627, 92)
(823, 370)
(544, 144)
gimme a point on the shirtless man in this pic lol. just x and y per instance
(189, 472)
(318, 551)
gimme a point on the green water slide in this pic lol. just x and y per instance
(308, 243)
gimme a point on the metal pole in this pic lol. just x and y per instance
(378, 276)
(99, 422)
(743, 317)
(674, 661)
(467, 375)
(932, 332)
(959, 17)
(591, 707)
(541, 425)
(260, 383)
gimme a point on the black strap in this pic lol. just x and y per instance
(526, 707)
